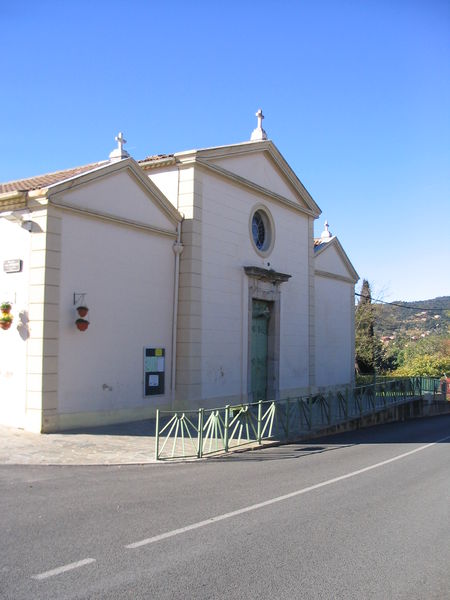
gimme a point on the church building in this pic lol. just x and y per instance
(175, 282)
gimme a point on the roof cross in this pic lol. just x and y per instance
(260, 116)
(259, 134)
(326, 234)
(120, 141)
(119, 153)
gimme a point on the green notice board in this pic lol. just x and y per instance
(154, 371)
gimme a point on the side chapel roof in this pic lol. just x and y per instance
(320, 245)
(42, 181)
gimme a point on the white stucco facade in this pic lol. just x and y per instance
(226, 251)
(15, 286)
(334, 315)
(218, 194)
(164, 255)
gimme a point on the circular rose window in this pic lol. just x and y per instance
(262, 230)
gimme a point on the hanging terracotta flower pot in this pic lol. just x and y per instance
(82, 311)
(5, 307)
(82, 324)
(5, 321)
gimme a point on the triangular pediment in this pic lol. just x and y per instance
(260, 164)
(330, 258)
(119, 190)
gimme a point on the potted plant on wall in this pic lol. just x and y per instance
(5, 307)
(5, 320)
(82, 324)
(82, 311)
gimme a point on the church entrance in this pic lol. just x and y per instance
(261, 311)
(263, 365)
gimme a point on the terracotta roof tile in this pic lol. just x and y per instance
(41, 181)
(155, 157)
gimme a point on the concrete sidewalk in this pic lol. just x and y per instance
(129, 443)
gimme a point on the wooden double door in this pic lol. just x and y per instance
(259, 348)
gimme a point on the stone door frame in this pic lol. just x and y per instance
(264, 284)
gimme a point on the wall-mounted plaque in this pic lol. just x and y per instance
(13, 265)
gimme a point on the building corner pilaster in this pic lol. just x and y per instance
(42, 349)
(189, 339)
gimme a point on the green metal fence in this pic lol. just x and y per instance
(189, 434)
(431, 385)
(202, 432)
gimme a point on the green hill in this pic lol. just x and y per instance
(411, 339)
(412, 320)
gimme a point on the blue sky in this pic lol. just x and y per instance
(356, 96)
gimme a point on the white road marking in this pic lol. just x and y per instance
(235, 513)
(64, 568)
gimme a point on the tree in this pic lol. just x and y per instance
(367, 346)
(390, 356)
(426, 365)
(428, 357)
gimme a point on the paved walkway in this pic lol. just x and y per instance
(129, 443)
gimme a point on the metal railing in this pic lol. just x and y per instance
(432, 385)
(202, 432)
(189, 434)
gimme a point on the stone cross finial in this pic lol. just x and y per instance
(120, 141)
(260, 116)
(326, 233)
(259, 133)
(119, 152)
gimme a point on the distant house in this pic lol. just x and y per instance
(203, 283)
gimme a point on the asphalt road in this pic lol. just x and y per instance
(356, 516)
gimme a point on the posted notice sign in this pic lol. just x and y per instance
(13, 265)
(154, 371)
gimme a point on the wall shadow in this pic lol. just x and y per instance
(423, 430)
(143, 428)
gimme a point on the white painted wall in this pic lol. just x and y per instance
(120, 195)
(226, 249)
(334, 338)
(259, 169)
(330, 261)
(167, 181)
(128, 277)
(15, 243)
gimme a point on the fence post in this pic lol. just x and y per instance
(375, 390)
(226, 428)
(258, 434)
(157, 435)
(200, 433)
(288, 408)
(346, 403)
